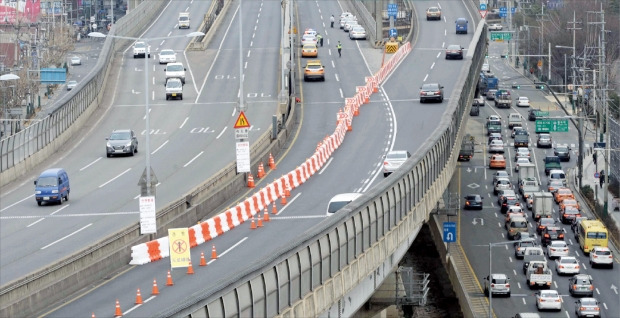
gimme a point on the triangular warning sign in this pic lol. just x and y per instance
(242, 121)
(483, 13)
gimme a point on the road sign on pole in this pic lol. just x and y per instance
(501, 36)
(148, 215)
(392, 10)
(242, 121)
(243, 156)
(449, 232)
(551, 125)
(393, 33)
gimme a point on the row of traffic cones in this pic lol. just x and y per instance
(155, 291)
(265, 218)
(261, 171)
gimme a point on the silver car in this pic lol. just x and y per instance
(393, 160)
(496, 146)
(71, 85)
(544, 140)
(522, 152)
(121, 142)
(75, 60)
(357, 33)
(502, 184)
(167, 56)
(499, 284)
(587, 307)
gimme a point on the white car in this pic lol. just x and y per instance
(347, 19)
(500, 174)
(521, 161)
(557, 249)
(523, 101)
(358, 32)
(548, 300)
(348, 26)
(522, 152)
(502, 184)
(167, 56)
(486, 67)
(495, 27)
(496, 146)
(308, 39)
(393, 160)
(494, 118)
(310, 31)
(339, 201)
(71, 85)
(75, 60)
(567, 265)
(601, 256)
(499, 284)
(514, 130)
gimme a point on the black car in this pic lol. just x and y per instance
(563, 152)
(431, 91)
(473, 201)
(454, 51)
(474, 111)
(569, 214)
(542, 224)
(551, 233)
(121, 142)
(532, 114)
(509, 201)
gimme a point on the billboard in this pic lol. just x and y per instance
(22, 11)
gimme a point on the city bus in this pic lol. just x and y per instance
(591, 233)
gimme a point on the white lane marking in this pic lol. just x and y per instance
(289, 202)
(523, 299)
(326, 165)
(35, 222)
(220, 135)
(183, 124)
(249, 53)
(219, 49)
(195, 157)
(337, 79)
(122, 173)
(156, 150)
(62, 238)
(445, 32)
(439, 5)
(515, 272)
(66, 215)
(297, 217)
(144, 117)
(518, 283)
(598, 292)
(18, 202)
(152, 98)
(605, 305)
(438, 54)
(333, 64)
(59, 209)
(425, 77)
(90, 164)
(134, 307)
(251, 43)
(341, 93)
(432, 65)
(245, 65)
(228, 250)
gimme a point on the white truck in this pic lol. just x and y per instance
(539, 275)
(527, 187)
(141, 50)
(183, 20)
(175, 70)
(542, 205)
(514, 119)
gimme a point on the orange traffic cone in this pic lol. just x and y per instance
(283, 200)
(261, 170)
(356, 111)
(287, 190)
(138, 297)
(253, 225)
(203, 261)
(274, 210)
(190, 269)
(117, 312)
(272, 163)
(155, 289)
(250, 181)
(260, 221)
(213, 253)
(169, 280)
(266, 214)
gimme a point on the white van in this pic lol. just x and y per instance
(175, 70)
(557, 175)
(339, 201)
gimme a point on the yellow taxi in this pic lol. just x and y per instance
(314, 70)
(497, 162)
(309, 50)
(563, 193)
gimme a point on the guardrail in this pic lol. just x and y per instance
(210, 20)
(313, 272)
(29, 147)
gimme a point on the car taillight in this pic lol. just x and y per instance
(492, 285)
(577, 267)
(558, 300)
(437, 92)
(546, 235)
(561, 236)
(591, 287)
(582, 308)
(466, 202)
(507, 285)
(574, 287)
(385, 163)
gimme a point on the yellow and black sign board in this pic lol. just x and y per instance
(391, 47)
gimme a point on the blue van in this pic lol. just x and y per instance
(52, 186)
(461, 26)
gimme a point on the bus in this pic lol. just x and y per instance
(591, 233)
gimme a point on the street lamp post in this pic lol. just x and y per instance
(7, 77)
(146, 89)
(491, 270)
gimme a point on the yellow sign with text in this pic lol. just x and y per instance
(178, 240)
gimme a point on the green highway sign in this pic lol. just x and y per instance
(501, 36)
(551, 125)
(542, 114)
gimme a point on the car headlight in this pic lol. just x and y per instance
(54, 191)
(128, 144)
(108, 145)
(37, 192)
